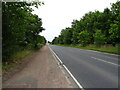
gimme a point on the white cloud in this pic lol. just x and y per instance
(58, 14)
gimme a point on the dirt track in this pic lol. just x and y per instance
(42, 71)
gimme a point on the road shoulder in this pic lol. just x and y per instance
(42, 71)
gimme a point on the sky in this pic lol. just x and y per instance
(58, 14)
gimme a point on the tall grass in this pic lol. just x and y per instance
(15, 58)
(21, 55)
(108, 49)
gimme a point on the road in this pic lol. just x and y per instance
(92, 69)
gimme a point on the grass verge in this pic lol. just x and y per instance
(107, 49)
(15, 59)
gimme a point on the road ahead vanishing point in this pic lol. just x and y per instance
(92, 69)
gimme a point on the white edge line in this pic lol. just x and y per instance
(79, 85)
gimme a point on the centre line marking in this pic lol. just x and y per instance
(105, 61)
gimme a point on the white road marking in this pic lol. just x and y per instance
(105, 61)
(79, 85)
(102, 52)
(60, 67)
(56, 55)
(111, 57)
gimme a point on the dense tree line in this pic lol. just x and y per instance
(20, 28)
(93, 28)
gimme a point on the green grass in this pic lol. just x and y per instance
(107, 49)
(6, 67)
(15, 58)
(0, 65)
(21, 55)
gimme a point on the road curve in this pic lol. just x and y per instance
(91, 68)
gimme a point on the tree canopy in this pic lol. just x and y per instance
(93, 28)
(20, 28)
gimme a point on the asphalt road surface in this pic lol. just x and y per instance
(92, 69)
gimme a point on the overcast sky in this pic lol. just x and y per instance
(58, 14)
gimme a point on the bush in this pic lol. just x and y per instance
(84, 38)
(99, 38)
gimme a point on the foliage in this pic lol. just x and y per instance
(93, 28)
(66, 36)
(114, 33)
(84, 38)
(20, 28)
(99, 38)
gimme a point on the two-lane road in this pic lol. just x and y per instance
(92, 69)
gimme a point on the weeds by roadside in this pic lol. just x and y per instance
(108, 49)
(15, 59)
